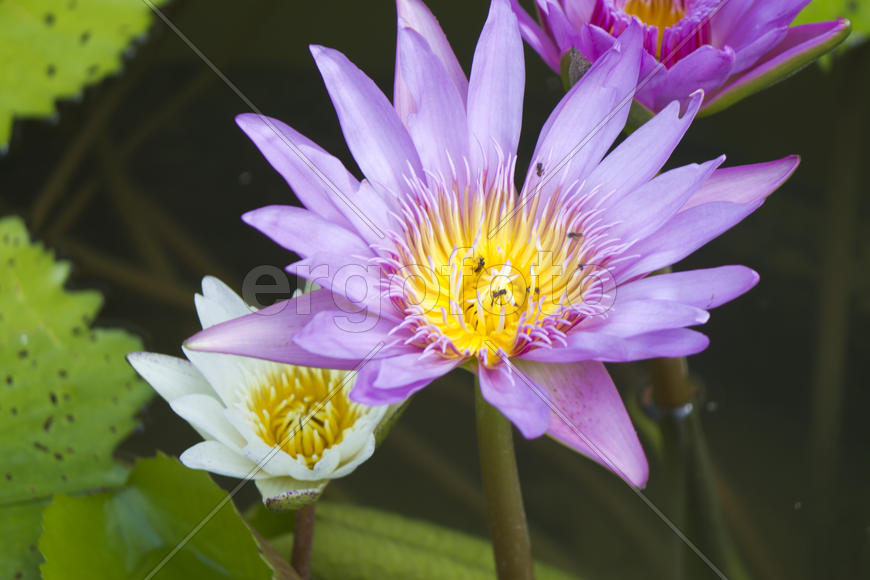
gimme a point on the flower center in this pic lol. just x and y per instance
(483, 274)
(659, 13)
(294, 408)
(673, 28)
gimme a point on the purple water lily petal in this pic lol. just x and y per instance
(394, 379)
(354, 282)
(407, 368)
(366, 393)
(598, 346)
(584, 124)
(644, 152)
(303, 231)
(556, 22)
(749, 54)
(739, 22)
(379, 142)
(268, 333)
(348, 335)
(438, 123)
(439, 262)
(495, 88)
(580, 11)
(591, 417)
(704, 289)
(415, 15)
(800, 46)
(705, 69)
(649, 206)
(746, 184)
(701, 45)
(370, 211)
(520, 398)
(311, 172)
(537, 39)
(637, 317)
(683, 234)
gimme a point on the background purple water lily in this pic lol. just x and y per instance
(439, 189)
(728, 48)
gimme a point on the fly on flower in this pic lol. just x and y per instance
(289, 428)
(728, 48)
(566, 256)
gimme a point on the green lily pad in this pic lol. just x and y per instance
(129, 532)
(355, 543)
(68, 395)
(52, 49)
(20, 526)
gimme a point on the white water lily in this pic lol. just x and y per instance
(289, 428)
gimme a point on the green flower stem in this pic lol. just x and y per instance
(693, 502)
(501, 485)
(674, 502)
(694, 505)
(303, 539)
(671, 388)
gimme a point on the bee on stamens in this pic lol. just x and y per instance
(574, 235)
(479, 267)
(497, 294)
(539, 169)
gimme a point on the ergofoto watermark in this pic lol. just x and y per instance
(360, 293)
(354, 300)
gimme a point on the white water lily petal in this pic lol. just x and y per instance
(254, 413)
(171, 377)
(356, 438)
(217, 458)
(218, 303)
(205, 414)
(226, 373)
(366, 451)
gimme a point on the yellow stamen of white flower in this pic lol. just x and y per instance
(297, 409)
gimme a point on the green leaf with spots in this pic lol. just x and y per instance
(67, 396)
(354, 543)
(20, 526)
(127, 533)
(52, 49)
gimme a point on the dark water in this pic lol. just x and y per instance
(797, 504)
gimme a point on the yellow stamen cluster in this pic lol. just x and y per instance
(486, 270)
(295, 408)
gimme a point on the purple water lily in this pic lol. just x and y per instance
(435, 261)
(728, 48)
